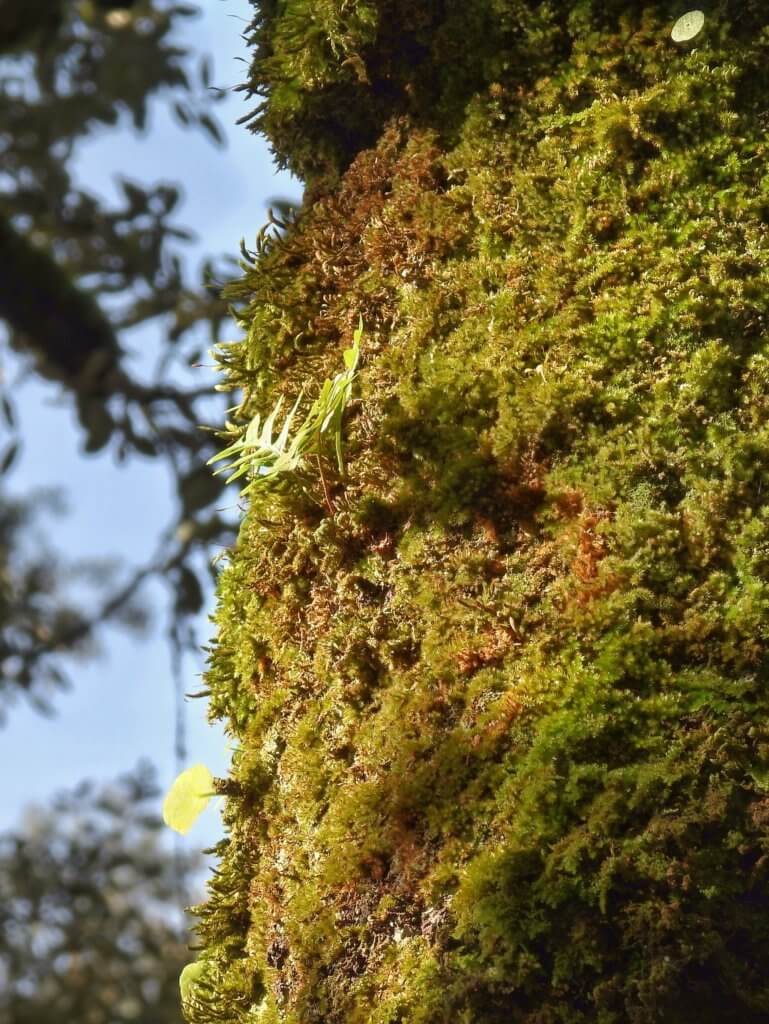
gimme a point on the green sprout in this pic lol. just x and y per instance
(189, 979)
(262, 457)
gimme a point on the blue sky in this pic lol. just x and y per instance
(121, 706)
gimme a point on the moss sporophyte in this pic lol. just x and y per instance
(502, 719)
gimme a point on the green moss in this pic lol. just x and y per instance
(502, 714)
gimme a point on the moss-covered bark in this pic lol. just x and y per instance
(502, 708)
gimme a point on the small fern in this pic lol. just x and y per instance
(262, 457)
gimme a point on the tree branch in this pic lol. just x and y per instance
(72, 338)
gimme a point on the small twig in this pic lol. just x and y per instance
(147, 394)
(68, 638)
(326, 495)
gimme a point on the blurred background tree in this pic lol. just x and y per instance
(82, 280)
(90, 926)
(99, 309)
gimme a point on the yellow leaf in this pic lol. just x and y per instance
(187, 798)
(688, 26)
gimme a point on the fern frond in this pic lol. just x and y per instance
(262, 458)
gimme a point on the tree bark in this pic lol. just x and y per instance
(501, 718)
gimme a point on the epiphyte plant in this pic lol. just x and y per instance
(262, 458)
(190, 793)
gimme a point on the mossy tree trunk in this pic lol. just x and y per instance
(501, 694)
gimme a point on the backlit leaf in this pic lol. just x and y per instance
(688, 26)
(187, 798)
